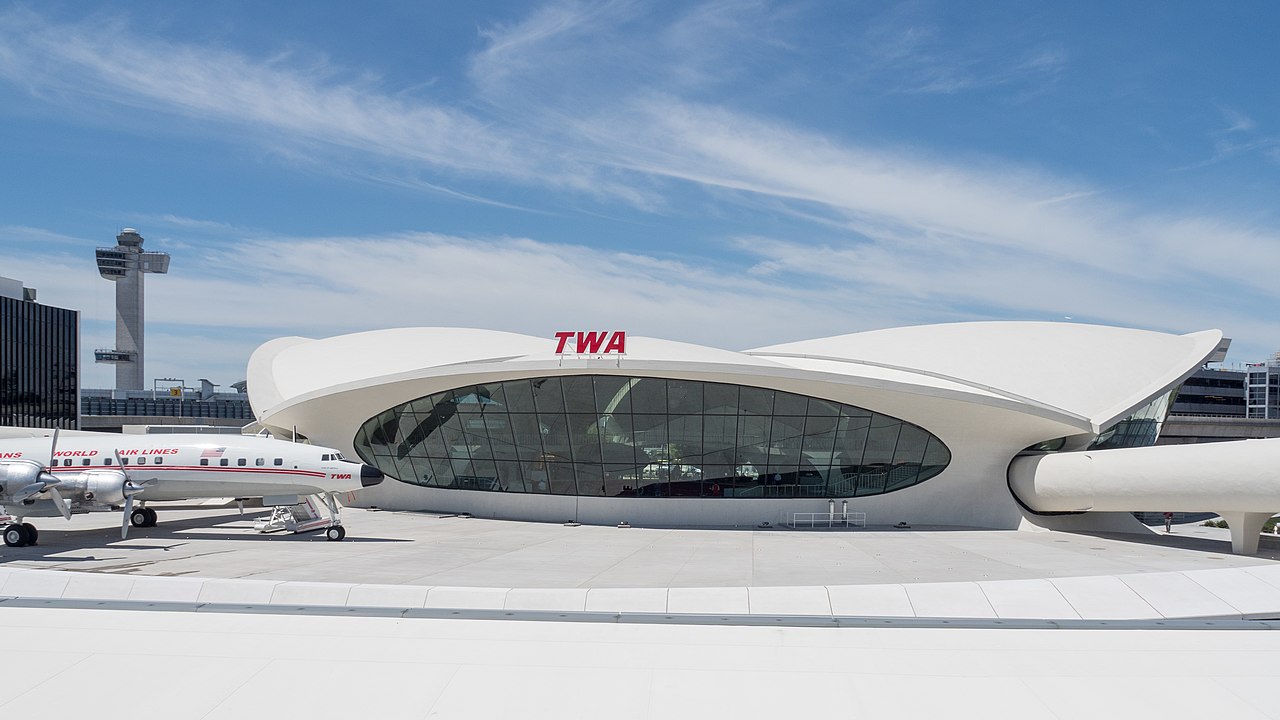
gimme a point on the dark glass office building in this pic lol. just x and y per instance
(39, 363)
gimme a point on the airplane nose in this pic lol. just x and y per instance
(370, 475)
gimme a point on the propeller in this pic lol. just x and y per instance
(129, 489)
(54, 495)
(59, 503)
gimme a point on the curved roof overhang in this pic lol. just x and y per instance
(1097, 373)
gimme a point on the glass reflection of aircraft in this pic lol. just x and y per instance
(95, 472)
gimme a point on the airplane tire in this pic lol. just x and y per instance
(151, 517)
(138, 518)
(32, 533)
(15, 535)
(335, 533)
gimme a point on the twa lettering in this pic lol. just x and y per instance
(10, 455)
(150, 451)
(346, 476)
(590, 343)
(75, 453)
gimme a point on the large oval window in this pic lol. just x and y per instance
(605, 435)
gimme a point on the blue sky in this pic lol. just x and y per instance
(730, 173)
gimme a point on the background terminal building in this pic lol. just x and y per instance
(1218, 404)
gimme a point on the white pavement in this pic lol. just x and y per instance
(415, 560)
(107, 664)
(202, 618)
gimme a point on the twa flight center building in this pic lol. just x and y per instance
(990, 424)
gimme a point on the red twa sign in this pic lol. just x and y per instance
(602, 342)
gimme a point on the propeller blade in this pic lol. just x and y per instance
(53, 448)
(34, 488)
(43, 482)
(128, 510)
(59, 503)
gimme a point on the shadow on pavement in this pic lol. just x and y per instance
(169, 534)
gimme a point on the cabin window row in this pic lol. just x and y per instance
(156, 460)
(241, 462)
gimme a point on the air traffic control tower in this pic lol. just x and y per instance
(125, 264)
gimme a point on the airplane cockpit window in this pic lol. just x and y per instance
(325, 457)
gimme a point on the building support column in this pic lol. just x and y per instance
(1245, 528)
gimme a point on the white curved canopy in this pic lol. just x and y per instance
(1092, 371)
(1086, 375)
(288, 369)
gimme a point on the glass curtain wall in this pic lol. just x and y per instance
(39, 371)
(605, 435)
(1141, 429)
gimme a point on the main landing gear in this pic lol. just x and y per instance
(143, 517)
(20, 534)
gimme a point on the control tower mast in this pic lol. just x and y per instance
(125, 264)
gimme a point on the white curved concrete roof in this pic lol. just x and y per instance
(1093, 371)
(1084, 376)
(293, 367)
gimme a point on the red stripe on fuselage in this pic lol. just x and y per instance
(197, 468)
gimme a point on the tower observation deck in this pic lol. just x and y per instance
(125, 264)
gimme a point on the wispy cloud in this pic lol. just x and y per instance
(227, 299)
(911, 55)
(37, 237)
(283, 97)
(1239, 136)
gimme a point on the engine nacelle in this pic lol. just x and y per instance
(18, 478)
(100, 487)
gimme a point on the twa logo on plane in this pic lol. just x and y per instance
(602, 342)
(335, 476)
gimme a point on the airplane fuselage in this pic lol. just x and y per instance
(182, 467)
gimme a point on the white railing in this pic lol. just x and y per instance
(826, 519)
